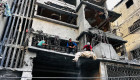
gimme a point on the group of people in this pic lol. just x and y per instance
(70, 44)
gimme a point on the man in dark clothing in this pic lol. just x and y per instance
(88, 47)
(71, 46)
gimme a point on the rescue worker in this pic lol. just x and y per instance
(42, 43)
(88, 47)
(71, 46)
(88, 53)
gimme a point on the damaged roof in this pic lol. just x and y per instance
(112, 15)
(110, 36)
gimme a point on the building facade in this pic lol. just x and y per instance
(56, 21)
(127, 25)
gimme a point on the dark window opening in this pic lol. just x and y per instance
(97, 19)
(135, 26)
(120, 50)
(95, 39)
(56, 15)
(72, 2)
(114, 31)
(63, 43)
(129, 3)
(136, 53)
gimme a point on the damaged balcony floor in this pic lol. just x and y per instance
(36, 49)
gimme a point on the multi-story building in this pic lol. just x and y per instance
(127, 25)
(56, 21)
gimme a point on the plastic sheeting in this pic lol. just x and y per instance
(103, 50)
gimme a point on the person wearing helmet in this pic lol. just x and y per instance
(88, 47)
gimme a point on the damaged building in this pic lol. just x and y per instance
(56, 21)
(127, 26)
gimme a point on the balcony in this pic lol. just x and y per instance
(55, 43)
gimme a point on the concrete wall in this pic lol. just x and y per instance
(82, 23)
(81, 18)
(106, 50)
(63, 32)
(58, 2)
(77, 3)
(129, 16)
(28, 65)
(126, 12)
(10, 73)
(4, 19)
(102, 71)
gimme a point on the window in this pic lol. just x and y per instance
(136, 54)
(129, 3)
(59, 15)
(135, 26)
(72, 2)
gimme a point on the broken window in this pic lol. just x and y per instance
(129, 3)
(120, 50)
(97, 19)
(135, 26)
(56, 15)
(136, 53)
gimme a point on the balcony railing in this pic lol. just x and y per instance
(54, 43)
